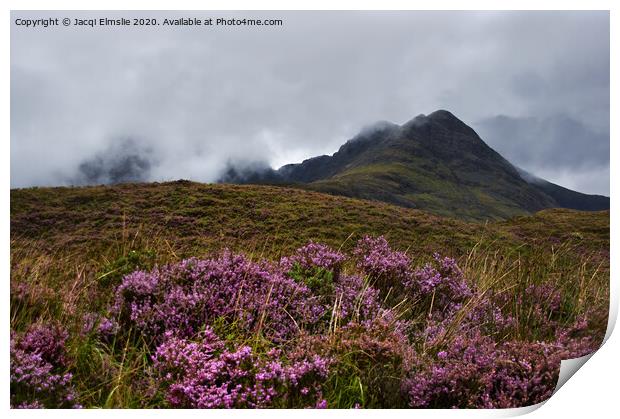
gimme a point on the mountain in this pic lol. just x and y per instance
(566, 198)
(434, 162)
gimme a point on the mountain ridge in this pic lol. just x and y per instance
(433, 162)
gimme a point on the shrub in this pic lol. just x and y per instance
(387, 267)
(369, 361)
(455, 377)
(204, 374)
(186, 296)
(38, 369)
(314, 256)
(309, 331)
(439, 288)
(355, 300)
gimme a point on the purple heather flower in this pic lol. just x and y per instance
(205, 375)
(38, 368)
(312, 256)
(380, 262)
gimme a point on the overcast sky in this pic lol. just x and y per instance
(183, 101)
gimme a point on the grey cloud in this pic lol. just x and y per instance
(556, 145)
(201, 98)
(123, 161)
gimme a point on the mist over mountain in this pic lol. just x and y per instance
(564, 197)
(558, 147)
(125, 161)
(433, 162)
(249, 172)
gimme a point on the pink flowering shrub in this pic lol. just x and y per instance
(315, 265)
(186, 296)
(464, 367)
(475, 372)
(455, 377)
(101, 326)
(316, 329)
(38, 369)
(376, 259)
(355, 299)
(440, 287)
(577, 339)
(525, 373)
(314, 256)
(206, 375)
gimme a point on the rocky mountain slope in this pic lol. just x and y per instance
(435, 163)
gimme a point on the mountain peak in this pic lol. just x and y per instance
(442, 114)
(447, 120)
(434, 162)
(440, 119)
(419, 120)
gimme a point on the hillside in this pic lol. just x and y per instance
(436, 163)
(103, 304)
(195, 218)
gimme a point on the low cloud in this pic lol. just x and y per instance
(558, 148)
(200, 98)
(124, 161)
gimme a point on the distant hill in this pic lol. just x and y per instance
(182, 219)
(435, 163)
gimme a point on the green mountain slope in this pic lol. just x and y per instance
(436, 163)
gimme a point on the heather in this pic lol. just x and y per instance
(39, 376)
(184, 297)
(367, 320)
(318, 328)
(204, 374)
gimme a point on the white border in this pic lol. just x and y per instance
(592, 392)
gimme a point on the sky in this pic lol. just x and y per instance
(155, 103)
